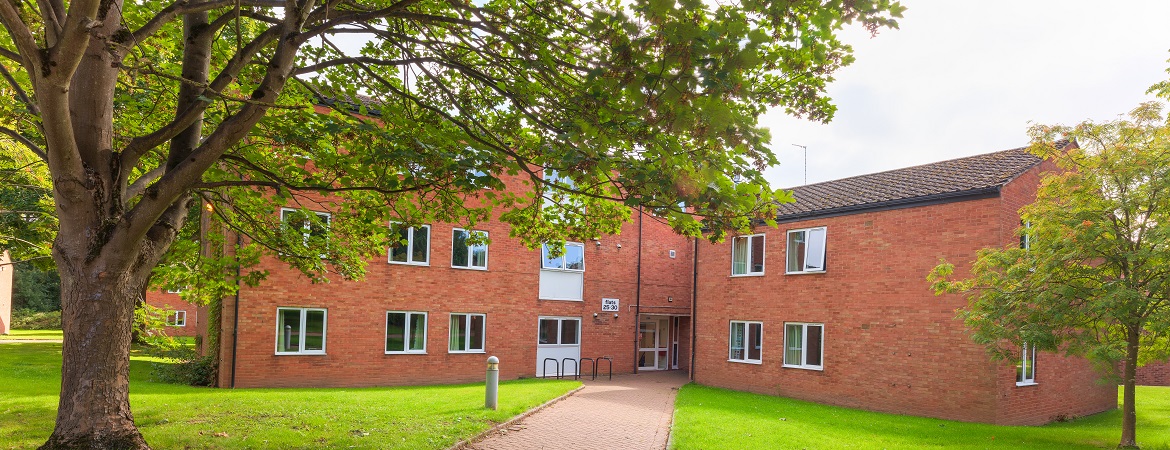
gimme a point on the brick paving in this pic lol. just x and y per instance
(630, 412)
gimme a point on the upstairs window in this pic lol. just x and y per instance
(1025, 237)
(747, 255)
(806, 250)
(1026, 368)
(465, 255)
(412, 245)
(573, 258)
(311, 230)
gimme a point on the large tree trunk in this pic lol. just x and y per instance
(1129, 391)
(97, 314)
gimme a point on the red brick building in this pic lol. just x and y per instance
(182, 318)
(833, 306)
(853, 322)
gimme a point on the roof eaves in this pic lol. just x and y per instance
(933, 199)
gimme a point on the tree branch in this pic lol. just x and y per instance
(33, 147)
(26, 44)
(181, 7)
(139, 185)
(361, 59)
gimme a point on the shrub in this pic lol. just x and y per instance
(27, 319)
(196, 371)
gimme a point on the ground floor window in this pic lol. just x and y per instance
(177, 318)
(300, 331)
(556, 331)
(803, 345)
(467, 333)
(406, 332)
(1026, 368)
(745, 344)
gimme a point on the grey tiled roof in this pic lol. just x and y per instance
(973, 175)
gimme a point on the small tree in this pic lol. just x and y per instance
(1094, 279)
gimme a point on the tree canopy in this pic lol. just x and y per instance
(141, 110)
(1093, 279)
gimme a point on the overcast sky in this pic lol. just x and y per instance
(960, 78)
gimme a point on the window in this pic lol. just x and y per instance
(311, 230)
(406, 332)
(746, 341)
(468, 256)
(802, 345)
(300, 331)
(806, 250)
(747, 255)
(177, 318)
(1026, 369)
(1025, 238)
(412, 246)
(467, 332)
(557, 331)
(573, 258)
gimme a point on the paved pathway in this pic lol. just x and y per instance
(630, 412)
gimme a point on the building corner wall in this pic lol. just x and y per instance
(7, 271)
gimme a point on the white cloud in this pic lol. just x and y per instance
(963, 78)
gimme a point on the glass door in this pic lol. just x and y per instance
(647, 345)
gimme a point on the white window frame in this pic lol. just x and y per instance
(563, 260)
(1027, 355)
(747, 324)
(304, 324)
(804, 346)
(406, 336)
(467, 333)
(807, 247)
(409, 247)
(560, 329)
(748, 258)
(307, 226)
(470, 250)
(173, 318)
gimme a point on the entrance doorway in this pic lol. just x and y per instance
(654, 337)
(558, 338)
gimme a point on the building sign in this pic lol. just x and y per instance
(609, 304)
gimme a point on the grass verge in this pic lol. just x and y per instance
(713, 418)
(39, 335)
(175, 416)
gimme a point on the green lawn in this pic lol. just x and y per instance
(174, 416)
(32, 334)
(712, 418)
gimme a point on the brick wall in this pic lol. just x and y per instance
(506, 293)
(7, 271)
(1154, 374)
(168, 302)
(889, 343)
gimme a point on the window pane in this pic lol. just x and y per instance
(418, 331)
(459, 248)
(320, 229)
(548, 331)
(739, 251)
(458, 333)
(815, 256)
(796, 251)
(550, 262)
(476, 340)
(757, 254)
(792, 344)
(479, 256)
(754, 341)
(395, 332)
(575, 257)
(419, 247)
(569, 331)
(399, 249)
(1032, 363)
(812, 354)
(315, 330)
(289, 325)
(736, 341)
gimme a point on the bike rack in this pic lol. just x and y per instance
(556, 363)
(592, 366)
(609, 361)
(576, 367)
